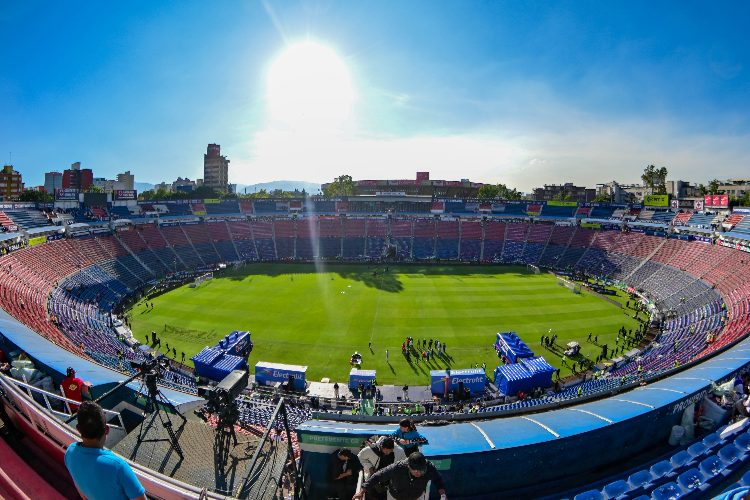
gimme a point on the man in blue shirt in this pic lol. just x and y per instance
(97, 472)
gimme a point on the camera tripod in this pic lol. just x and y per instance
(155, 404)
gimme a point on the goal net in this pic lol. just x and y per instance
(533, 269)
(200, 279)
(570, 285)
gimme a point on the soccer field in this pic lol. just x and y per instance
(319, 315)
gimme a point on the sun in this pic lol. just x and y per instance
(309, 87)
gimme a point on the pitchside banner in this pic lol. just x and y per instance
(66, 195)
(473, 379)
(554, 203)
(656, 200)
(37, 240)
(268, 373)
(125, 194)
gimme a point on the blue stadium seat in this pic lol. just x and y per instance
(680, 458)
(712, 440)
(697, 449)
(660, 469)
(590, 495)
(667, 491)
(745, 481)
(711, 466)
(743, 442)
(729, 454)
(691, 479)
(615, 489)
(638, 479)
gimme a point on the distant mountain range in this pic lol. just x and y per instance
(310, 187)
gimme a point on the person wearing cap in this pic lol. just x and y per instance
(404, 480)
(74, 388)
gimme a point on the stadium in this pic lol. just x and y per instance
(622, 398)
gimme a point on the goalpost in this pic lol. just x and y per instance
(533, 269)
(200, 279)
(570, 285)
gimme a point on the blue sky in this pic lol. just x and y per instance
(523, 93)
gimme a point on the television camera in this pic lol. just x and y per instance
(151, 371)
(221, 402)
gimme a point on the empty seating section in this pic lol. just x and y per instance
(307, 238)
(646, 215)
(446, 242)
(242, 234)
(376, 230)
(494, 239)
(515, 240)
(662, 216)
(6, 222)
(401, 237)
(583, 212)
(185, 252)
(558, 242)
(601, 213)
(700, 471)
(682, 218)
(471, 240)
(559, 212)
(579, 242)
(262, 231)
(222, 240)
(246, 206)
(225, 207)
(701, 220)
(120, 213)
(424, 239)
(285, 233)
(353, 246)
(198, 235)
(330, 237)
(729, 223)
(25, 219)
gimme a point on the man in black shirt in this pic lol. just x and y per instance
(343, 472)
(405, 480)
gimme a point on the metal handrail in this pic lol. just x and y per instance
(47, 395)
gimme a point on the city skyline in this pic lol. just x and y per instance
(518, 93)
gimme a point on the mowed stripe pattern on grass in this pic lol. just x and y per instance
(318, 316)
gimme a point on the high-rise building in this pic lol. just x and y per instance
(52, 182)
(215, 169)
(77, 178)
(125, 180)
(564, 192)
(11, 184)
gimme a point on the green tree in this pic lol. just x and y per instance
(713, 187)
(602, 198)
(655, 178)
(36, 196)
(342, 185)
(563, 196)
(506, 193)
(488, 192)
(94, 189)
(202, 192)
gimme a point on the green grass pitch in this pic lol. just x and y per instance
(319, 315)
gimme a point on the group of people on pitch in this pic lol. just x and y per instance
(393, 464)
